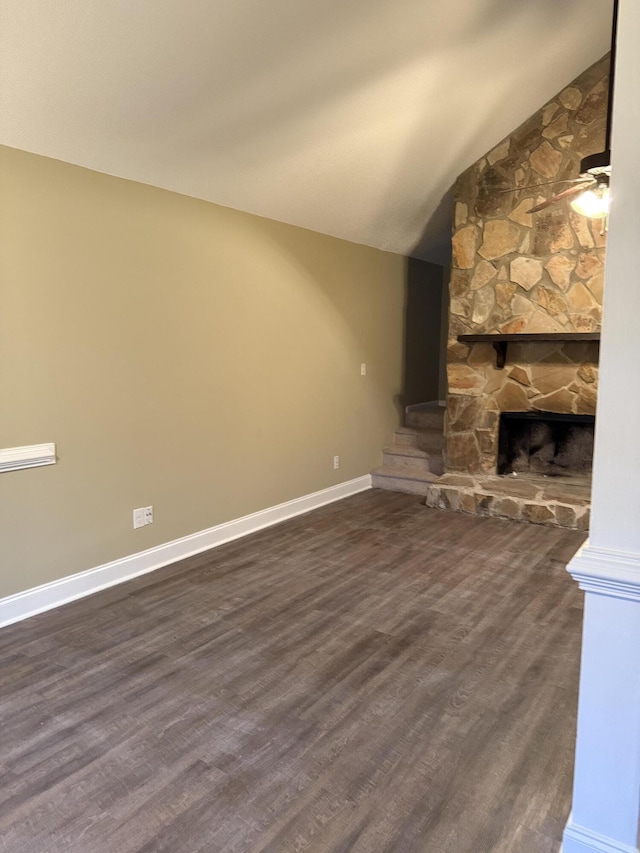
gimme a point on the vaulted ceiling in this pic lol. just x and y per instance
(349, 117)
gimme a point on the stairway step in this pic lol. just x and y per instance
(402, 480)
(393, 458)
(401, 450)
(425, 416)
(413, 459)
(405, 437)
(430, 440)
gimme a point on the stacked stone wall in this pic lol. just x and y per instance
(515, 272)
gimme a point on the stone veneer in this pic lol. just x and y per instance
(537, 501)
(516, 272)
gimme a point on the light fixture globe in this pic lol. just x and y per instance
(594, 203)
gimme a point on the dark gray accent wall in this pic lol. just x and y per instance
(423, 357)
(444, 335)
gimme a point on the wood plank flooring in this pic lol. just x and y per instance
(374, 677)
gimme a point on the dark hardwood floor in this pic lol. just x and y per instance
(372, 677)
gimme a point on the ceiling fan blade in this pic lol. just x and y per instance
(564, 194)
(543, 184)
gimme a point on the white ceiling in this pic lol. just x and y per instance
(349, 117)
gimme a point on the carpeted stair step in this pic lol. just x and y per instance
(402, 480)
(412, 458)
(425, 416)
(430, 440)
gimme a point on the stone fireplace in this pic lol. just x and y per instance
(538, 278)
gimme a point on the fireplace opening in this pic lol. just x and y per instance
(546, 444)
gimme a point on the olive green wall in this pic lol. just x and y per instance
(180, 354)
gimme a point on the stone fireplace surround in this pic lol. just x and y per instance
(517, 273)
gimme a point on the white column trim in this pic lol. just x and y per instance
(607, 572)
(579, 839)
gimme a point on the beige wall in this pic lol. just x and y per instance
(180, 354)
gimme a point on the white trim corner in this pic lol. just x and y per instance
(607, 572)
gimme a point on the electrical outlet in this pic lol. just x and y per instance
(143, 515)
(336, 462)
(363, 369)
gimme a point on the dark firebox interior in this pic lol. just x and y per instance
(545, 444)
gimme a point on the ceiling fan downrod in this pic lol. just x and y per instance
(597, 164)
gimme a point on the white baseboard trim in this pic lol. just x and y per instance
(579, 839)
(20, 606)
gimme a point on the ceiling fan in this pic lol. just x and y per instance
(589, 192)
